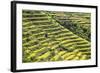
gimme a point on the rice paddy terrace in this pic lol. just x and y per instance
(78, 23)
(45, 39)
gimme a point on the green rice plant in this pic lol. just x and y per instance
(55, 36)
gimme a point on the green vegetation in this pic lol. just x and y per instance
(78, 23)
(55, 36)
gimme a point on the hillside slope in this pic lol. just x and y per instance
(44, 39)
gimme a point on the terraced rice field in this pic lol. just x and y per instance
(46, 40)
(78, 23)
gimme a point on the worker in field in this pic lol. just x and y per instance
(46, 35)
